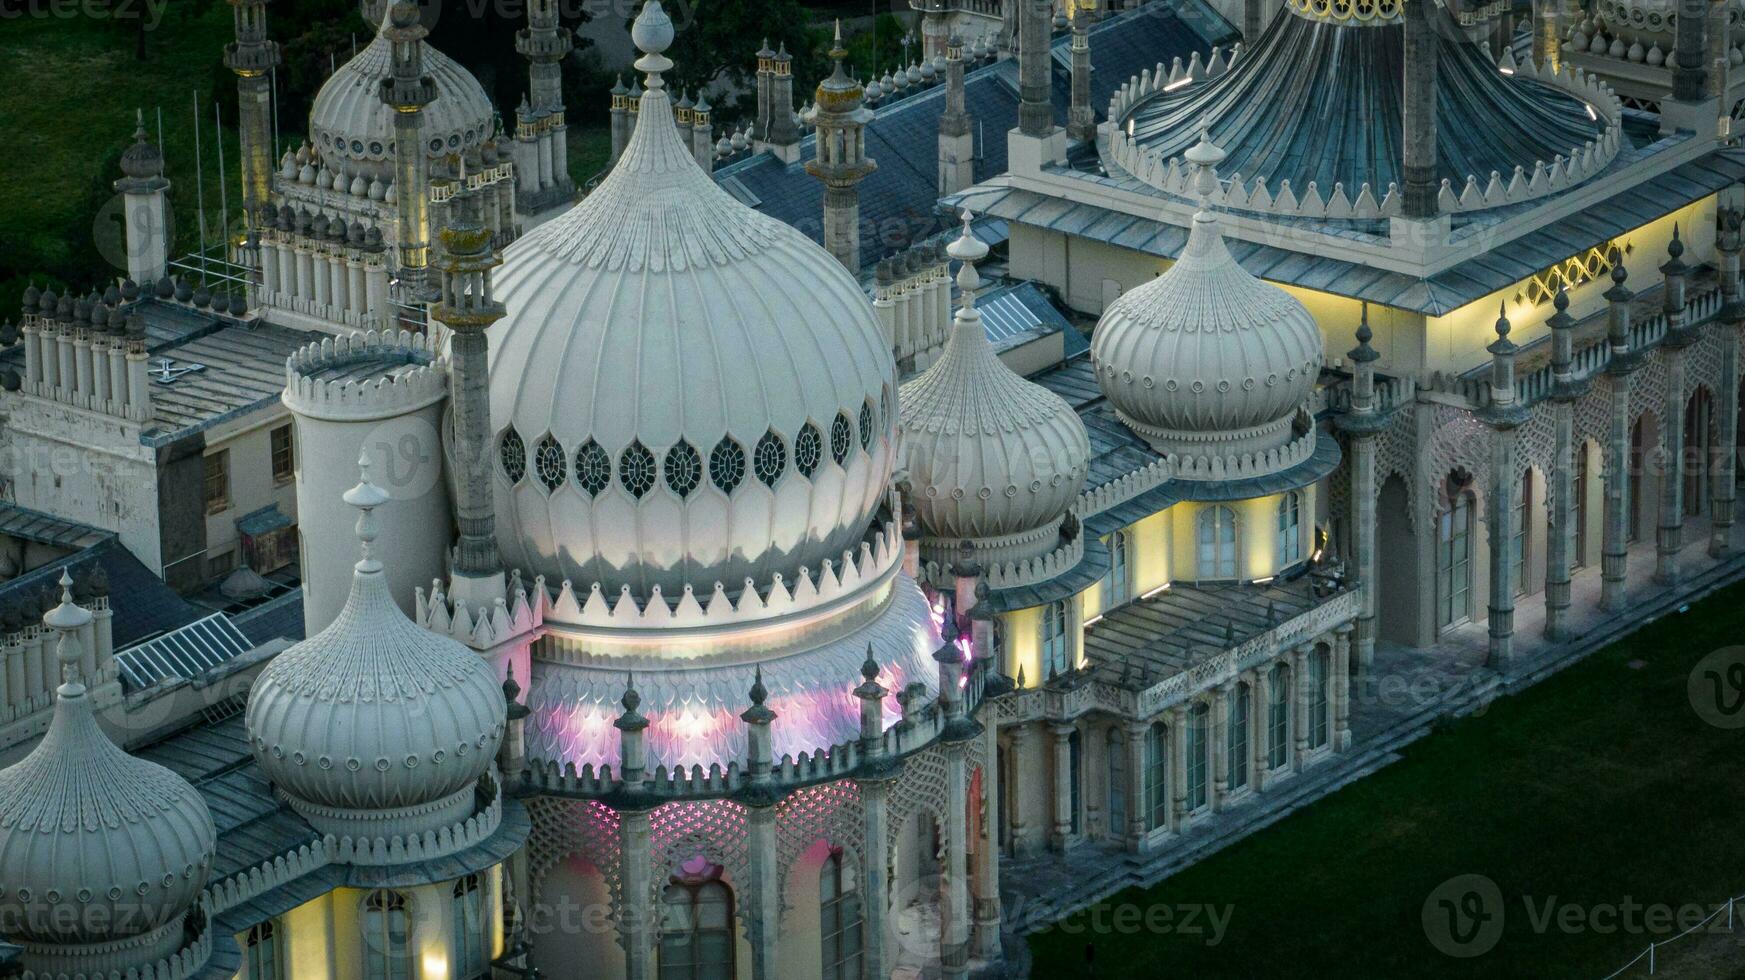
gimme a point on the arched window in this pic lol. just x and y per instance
(1699, 414)
(387, 937)
(1156, 776)
(471, 959)
(1217, 537)
(1319, 661)
(1117, 587)
(1278, 717)
(1290, 529)
(1236, 748)
(1198, 717)
(839, 919)
(261, 950)
(1056, 651)
(696, 941)
(1454, 562)
(1518, 531)
(1115, 752)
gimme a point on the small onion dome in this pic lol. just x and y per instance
(142, 160)
(992, 457)
(838, 91)
(1207, 360)
(376, 727)
(102, 854)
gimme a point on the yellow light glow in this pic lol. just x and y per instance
(435, 966)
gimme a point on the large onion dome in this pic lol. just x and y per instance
(101, 854)
(353, 129)
(1206, 360)
(687, 391)
(376, 727)
(992, 457)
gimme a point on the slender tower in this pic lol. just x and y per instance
(1036, 141)
(1419, 150)
(841, 161)
(956, 139)
(1081, 119)
(145, 208)
(467, 307)
(253, 57)
(407, 92)
(545, 44)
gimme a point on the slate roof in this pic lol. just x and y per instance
(242, 370)
(1434, 295)
(1147, 640)
(143, 606)
(1015, 314)
(898, 202)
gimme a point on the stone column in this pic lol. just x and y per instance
(1500, 517)
(1139, 801)
(1178, 768)
(954, 926)
(1342, 689)
(1679, 337)
(956, 140)
(1220, 739)
(1560, 539)
(1419, 127)
(1253, 23)
(253, 57)
(764, 892)
(1035, 93)
(637, 926)
(987, 871)
(1614, 550)
(875, 874)
(1547, 33)
(1690, 49)
(1081, 119)
(1299, 726)
(1260, 688)
(407, 92)
(1024, 762)
(1362, 423)
(1062, 732)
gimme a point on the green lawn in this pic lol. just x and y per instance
(1601, 786)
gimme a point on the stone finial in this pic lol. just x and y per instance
(758, 713)
(1363, 353)
(653, 34)
(366, 497)
(68, 618)
(630, 720)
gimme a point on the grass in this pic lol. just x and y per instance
(1598, 787)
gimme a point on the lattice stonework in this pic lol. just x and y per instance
(1648, 390)
(830, 812)
(921, 789)
(1578, 269)
(716, 829)
(1593, 414)
(1396, 454)
(579, 828)
(1457, 440)
(1536, 443)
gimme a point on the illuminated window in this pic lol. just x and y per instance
(1290, 529)
(839, 919)
(1577, 270)
(1116, 586)
(1156, 776)
(1217, 540)
(1454, 562)
(1236, 744)
(471, 960)
(1056, 656)
(218, 481)
(387, 934)
(696, 941)
(284, 458)
(261, 951)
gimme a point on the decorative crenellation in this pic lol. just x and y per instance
(1175, 175)
(1018, 572)
(90, 352)
(912, 300)
(1245, 465)
(29, 672)
(384, 394)
(186, 963)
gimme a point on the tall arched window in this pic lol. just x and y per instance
(1698, 417)
(1454, 562)
(1518, 530)
(1290, 529)
(1578, 554)
(1056, 648)
(1236, 748)
(387, 937)
(468, 911)
(1117, 586)
(261, 950)
(1156, 776)
(696, 941)
(1319, 702)
(1116, 772)
(1196, 755)
(1278, 717)
(839, 919)
(1217, 538)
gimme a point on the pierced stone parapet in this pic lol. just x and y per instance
(384, 394)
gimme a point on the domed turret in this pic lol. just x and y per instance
(375, 727)
(353, 128)
(685, 390)
(1206, 360)
(102, 855)
(993, 457)
(142, 160)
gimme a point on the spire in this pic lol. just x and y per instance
(68, 619)
(366, 497)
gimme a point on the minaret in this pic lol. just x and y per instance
(776, 131)
(1690, 49)
(253, 57)
(956, 139)
(1081, 119)
(620, 119)
(1418, 161)
(1036, 141)
(467, 308)
(841, 161)
(407, 92)
(545, 44)
(145, 200)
